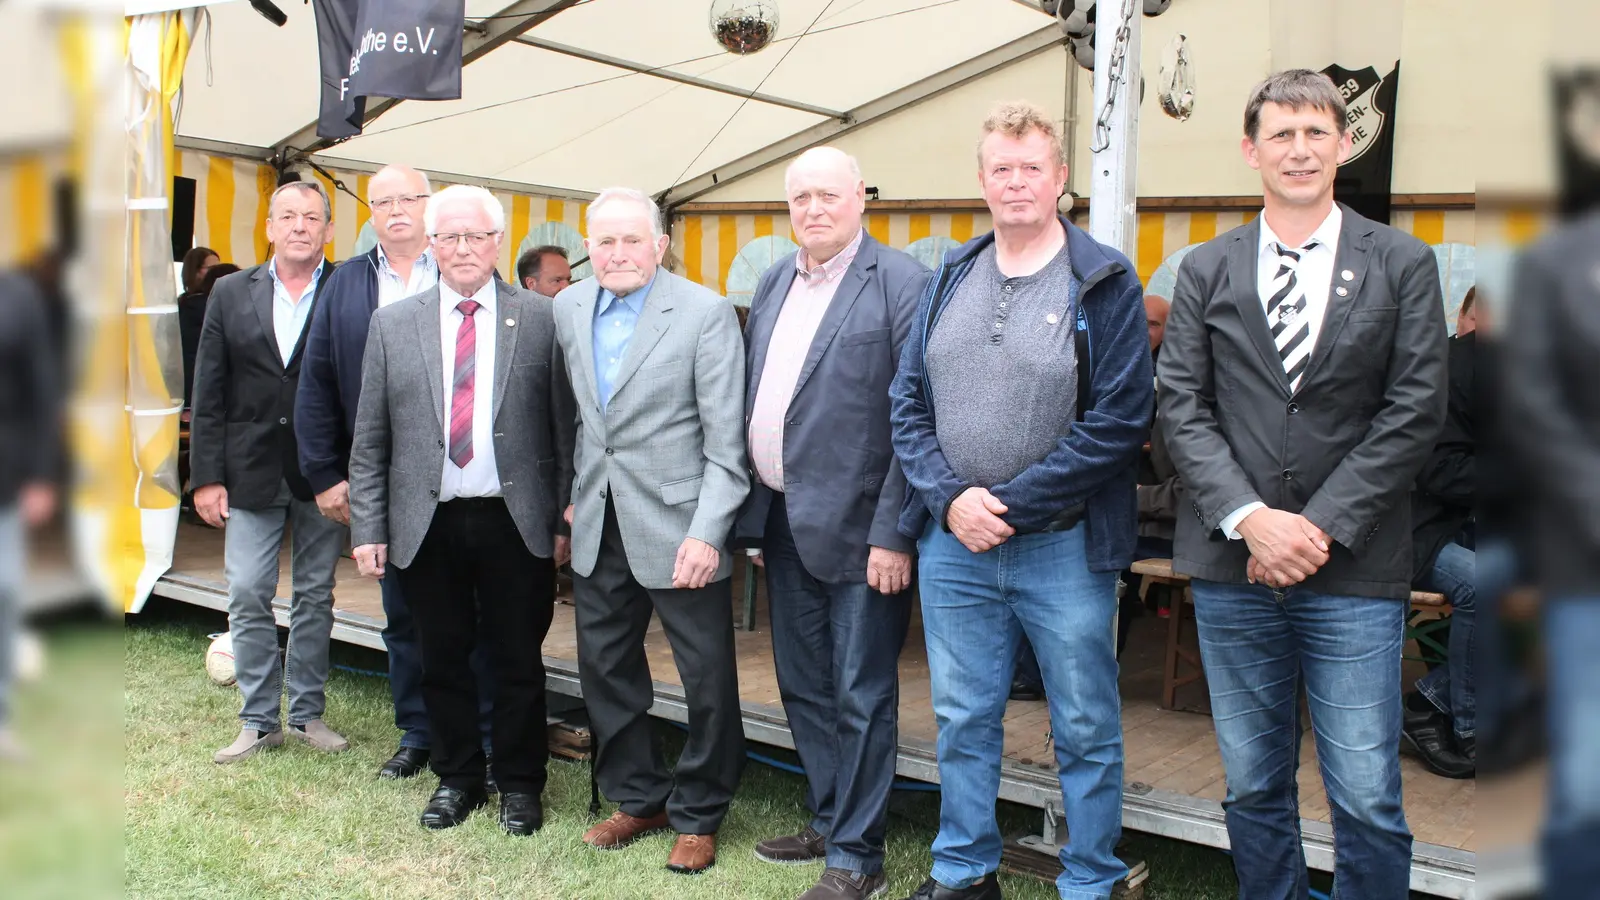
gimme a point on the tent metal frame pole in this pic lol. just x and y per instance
(669, 75)
(268, 155)
(479, 40)
(1016, 51)
(1113, 179)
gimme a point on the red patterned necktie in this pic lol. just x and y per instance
(462, 390)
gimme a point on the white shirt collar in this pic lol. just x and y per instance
(1326, 235)
(449, 299)
(425, 260)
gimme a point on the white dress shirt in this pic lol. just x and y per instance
(290, 315)
(480, 478)
(424, 275)
(1315, 275)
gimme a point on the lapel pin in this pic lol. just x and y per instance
(1343, 292)
(1348, 275)
(511, 323)
(1052, 319)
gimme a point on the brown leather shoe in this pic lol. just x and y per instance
(622, 829)
(693, 854)
(808, 846)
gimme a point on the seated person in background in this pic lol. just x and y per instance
(1440, 720)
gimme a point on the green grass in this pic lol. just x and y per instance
(293, 823)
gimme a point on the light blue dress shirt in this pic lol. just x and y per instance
(614, 320)
(290, 314)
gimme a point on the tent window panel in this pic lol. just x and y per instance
(751, 262)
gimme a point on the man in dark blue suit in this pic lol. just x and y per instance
(821, 347)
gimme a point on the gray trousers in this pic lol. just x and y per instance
(250, 559)
(12, 550)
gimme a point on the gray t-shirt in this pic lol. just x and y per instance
(1002, 369)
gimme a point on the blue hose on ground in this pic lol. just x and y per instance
(369, 672)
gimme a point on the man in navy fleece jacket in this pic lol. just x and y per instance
(1021, 405)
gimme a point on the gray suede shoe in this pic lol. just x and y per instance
(247, 744)
(319, 736)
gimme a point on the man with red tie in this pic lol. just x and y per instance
(460, 464)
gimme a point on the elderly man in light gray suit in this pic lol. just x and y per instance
(459, 466)
(657, 369)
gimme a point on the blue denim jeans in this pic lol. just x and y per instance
(1572, 830)
(1451, 687)
(1259, 646)
(975, 609)
(837, 650)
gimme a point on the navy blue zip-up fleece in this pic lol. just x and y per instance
(330, 374)
(1096, 462)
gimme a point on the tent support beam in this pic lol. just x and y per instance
(479, 40)
(669, 75)
(266, 155)
(1014, 52)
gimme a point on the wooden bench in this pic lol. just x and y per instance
(1177, 656)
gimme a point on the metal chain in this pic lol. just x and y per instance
(1117, 75)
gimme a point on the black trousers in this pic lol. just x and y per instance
(473, 563)
(613, 613)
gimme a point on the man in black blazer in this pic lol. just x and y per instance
(1302, 385)
(821, 346)
(243, 461)
(1552, 422)
(30, 415)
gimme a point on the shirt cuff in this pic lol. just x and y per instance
(1230, 523)
(752, 551)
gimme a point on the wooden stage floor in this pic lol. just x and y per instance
(1165, 750)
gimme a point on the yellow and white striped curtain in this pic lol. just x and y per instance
(231, 196)
(708, 243)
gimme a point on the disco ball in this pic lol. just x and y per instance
(744, 26)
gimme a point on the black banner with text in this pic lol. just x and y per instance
(1363, 182)
(409, 49)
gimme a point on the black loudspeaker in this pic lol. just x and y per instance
(182, 216)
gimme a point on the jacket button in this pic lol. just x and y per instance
(284, 379)
(433, 493)
(283, 421)
(441, 444)
(610, 452)
(1288, 474)
(1294, 408)
(602, 494)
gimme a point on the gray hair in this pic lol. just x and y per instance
(1296, 89)
(464, 192)
(613, 194)
(312, 186)
(427, 186)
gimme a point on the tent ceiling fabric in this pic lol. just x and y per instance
(535, 116)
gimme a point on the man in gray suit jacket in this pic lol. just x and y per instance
(457, 481)
(822, 345)
(658, 377)
(1302, 386)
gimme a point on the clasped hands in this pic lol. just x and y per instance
(1285, 548)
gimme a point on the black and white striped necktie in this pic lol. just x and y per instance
(1291, 327)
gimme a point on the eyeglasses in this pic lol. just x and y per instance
(474, 239)
(406, 202)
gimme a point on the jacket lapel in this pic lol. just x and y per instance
(587, 302)
(261, 298)
(851, 283)
(763, 319)
(428, 335)
(1355, 237)
(1242, 276)
(647, 332)
(505, 343)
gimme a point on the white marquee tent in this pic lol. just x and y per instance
(564, 97)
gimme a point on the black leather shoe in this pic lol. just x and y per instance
(407, 762)
(1431, 737)
(1021, 690)
(449, 807)
(987, 889)
(521, 812)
